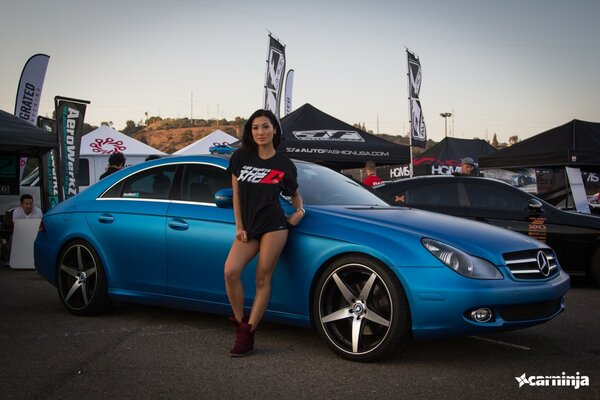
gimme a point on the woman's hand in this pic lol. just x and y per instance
(296, 217)
(241, 235)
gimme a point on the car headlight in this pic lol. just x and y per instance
(461, 262)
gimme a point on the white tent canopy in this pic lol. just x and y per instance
(201, 146)
(105, 141)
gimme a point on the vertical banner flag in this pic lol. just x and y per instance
(29, 92)
(418, 133)
(274, 75)
(289, 83)
(48, 170)
(69, 125)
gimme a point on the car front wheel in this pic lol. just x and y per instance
(81, 282)
(360, 309)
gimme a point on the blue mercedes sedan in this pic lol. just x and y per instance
(365, 274)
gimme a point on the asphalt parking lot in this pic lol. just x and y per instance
(139, 352)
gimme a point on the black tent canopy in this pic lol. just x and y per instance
(576, 143)
(310, 134)
(445, 157)
(19, 137)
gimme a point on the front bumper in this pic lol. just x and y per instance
(441, 301)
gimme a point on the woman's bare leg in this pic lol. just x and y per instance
(239, 256)
(271, 245)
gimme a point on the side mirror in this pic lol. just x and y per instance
(535, 205)
(224, 198)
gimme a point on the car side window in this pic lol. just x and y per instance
(493, 197)
(154, 183)
(439, 194)
(201, 182)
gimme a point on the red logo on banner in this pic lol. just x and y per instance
(107, 146)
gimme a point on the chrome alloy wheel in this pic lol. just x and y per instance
(77, 277)
(355, 309)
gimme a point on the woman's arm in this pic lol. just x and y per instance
(298, 205)
(240, 233)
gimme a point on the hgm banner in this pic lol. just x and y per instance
(48, 172)
(274, 75)
(418, 133)
(289, 83)
(69, 125)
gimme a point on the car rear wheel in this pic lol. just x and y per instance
(81, 281)
(360, 309)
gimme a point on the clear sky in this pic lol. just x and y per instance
(511, 67)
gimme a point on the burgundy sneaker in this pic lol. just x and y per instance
(244, 340)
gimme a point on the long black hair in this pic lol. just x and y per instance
(247, 139)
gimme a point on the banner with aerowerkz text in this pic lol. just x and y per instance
(274, 75)
(48, 170)
(418, 132)
(69, 125)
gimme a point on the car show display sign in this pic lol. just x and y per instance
(289, 83)
(418, 132)
(69, 124)
(29, 92)
(30, 88)
(578, 190)
(48, 171)
(274, 75)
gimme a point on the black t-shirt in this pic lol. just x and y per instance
(260, 182)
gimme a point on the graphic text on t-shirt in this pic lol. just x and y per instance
(260, 175)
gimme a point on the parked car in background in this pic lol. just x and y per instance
(574, 237)
(367, 275)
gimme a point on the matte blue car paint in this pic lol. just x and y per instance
(172, 254)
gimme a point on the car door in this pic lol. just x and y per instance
(433, 194)
(199, 235)
(507, 207)
(129, 220)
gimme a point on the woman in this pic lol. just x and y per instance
(259, 175)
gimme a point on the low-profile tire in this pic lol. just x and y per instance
(594, 271)
(81, 281)
(360, 309)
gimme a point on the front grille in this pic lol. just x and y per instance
(525, 312)
(525, 265)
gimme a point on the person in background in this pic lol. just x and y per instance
(116, 161)
(27, 210)
(371, 179)
(259, 174)
(467, 165)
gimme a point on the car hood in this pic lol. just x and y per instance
(473, 237)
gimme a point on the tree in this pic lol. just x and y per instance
(130, 128)
(513, 140)
(152, 120)
(495, 141)
(239, 123)
(87, 128)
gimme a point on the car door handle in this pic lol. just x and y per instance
(178, 225)
(106, 219)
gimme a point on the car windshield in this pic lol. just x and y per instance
(321, 186)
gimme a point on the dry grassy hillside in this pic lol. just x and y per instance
(165, 136)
